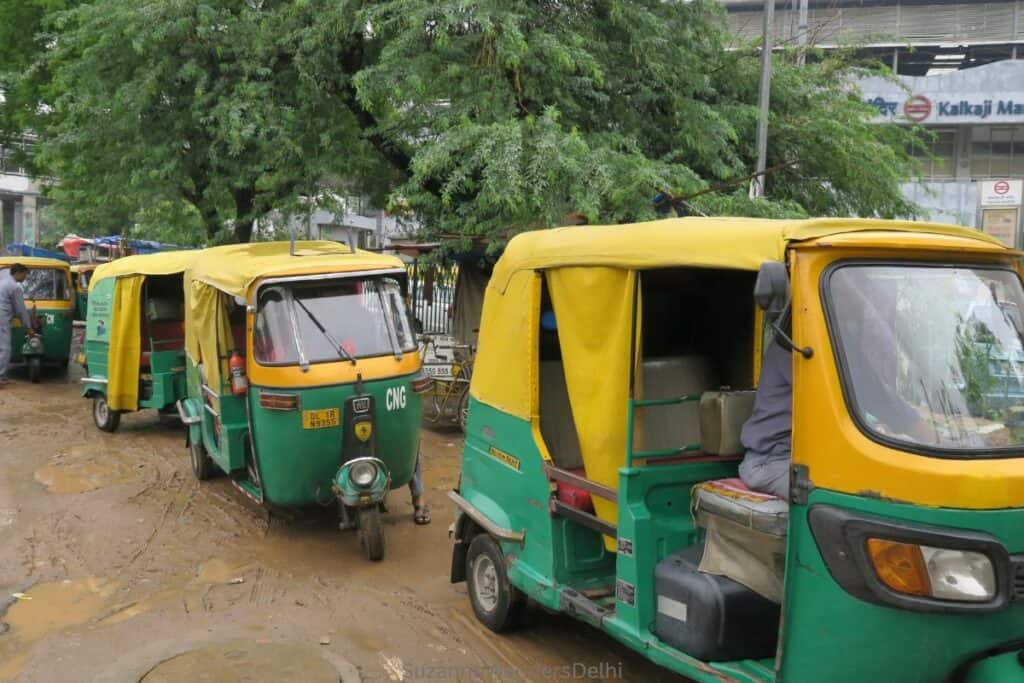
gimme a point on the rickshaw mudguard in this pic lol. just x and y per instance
(351, 495)
(1002, 668)
(190, 410)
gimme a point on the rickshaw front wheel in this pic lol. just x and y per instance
(106, 419)
(498, 604)
(35, 369)
(202, 464)
(371, 532)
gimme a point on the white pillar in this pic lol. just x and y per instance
(29, 221)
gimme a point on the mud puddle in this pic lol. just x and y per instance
(239, 661)
(49, 607)
(86, 468)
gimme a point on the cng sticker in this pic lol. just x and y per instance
(395, 398)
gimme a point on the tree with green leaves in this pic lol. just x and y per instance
(521, 112)
(480, 118)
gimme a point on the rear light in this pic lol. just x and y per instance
(939, 573)
(273, 401)
(421, 383)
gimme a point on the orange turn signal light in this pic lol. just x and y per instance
(900, 566)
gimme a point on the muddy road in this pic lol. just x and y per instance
(117, 565)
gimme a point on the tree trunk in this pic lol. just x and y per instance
(245, 203)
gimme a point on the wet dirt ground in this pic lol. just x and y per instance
(117, 565)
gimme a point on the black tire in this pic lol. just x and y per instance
(462, 414)
(106, 419)
(371, 532)
(498, 604)
(35, 369)
(202, 465)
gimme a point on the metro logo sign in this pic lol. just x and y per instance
(917, 108)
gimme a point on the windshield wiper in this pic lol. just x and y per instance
(334, 342)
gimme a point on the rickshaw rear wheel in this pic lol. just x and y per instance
(371, 532)
(498, 604)
(35, 369)
(202, 464)
(106, 419)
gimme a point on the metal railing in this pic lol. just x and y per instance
(432, 312)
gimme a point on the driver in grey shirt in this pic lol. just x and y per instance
(12, 304)
(767, 434)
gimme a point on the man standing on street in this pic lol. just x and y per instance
(12, 303)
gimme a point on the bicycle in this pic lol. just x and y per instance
(449, 397)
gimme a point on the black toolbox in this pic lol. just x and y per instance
(711, 617)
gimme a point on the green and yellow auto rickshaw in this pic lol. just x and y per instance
(303, 378)
(49, 300)
(599, 476)
(81, 273)
(134, 351)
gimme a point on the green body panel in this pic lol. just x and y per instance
(828, 631)
(828, 634)
(297, 466)
(57, 329)
(81, 305)
(558, 553)
(1000, 669)
(160, 386)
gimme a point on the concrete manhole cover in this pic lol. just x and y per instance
(246, 661)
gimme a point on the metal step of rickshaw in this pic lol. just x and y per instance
(578, 605)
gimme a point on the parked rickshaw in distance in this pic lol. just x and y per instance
(49, 299)
(599, 471)
(134, 351)
(303, 377)
(81, 273)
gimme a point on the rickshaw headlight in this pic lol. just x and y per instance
(363, 473)
(939, 573)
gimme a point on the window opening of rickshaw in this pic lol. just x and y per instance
(357, 318)
(44, 284)
(335, 344)
(931, 356)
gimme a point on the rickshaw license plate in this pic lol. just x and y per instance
(319, 419)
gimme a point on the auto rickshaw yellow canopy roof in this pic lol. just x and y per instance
(736, 243)
(233, 268)
(34, 262)
(163, 263)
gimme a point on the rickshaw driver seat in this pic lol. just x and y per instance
(745, 530)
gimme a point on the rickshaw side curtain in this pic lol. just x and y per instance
(208, 332)
(125, 350)
(594, 315)
(505, 373)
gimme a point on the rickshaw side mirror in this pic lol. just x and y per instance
(771, 290)
(241, 301)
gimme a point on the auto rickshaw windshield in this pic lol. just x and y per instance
(931, 356)
(43, 284)
(364, 317)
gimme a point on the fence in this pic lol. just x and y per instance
(433, 292)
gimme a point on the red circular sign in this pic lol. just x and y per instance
(917, 108)
(1001, 187)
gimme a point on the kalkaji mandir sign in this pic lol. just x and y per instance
(924, 109)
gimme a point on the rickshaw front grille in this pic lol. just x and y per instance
(1017, 576)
